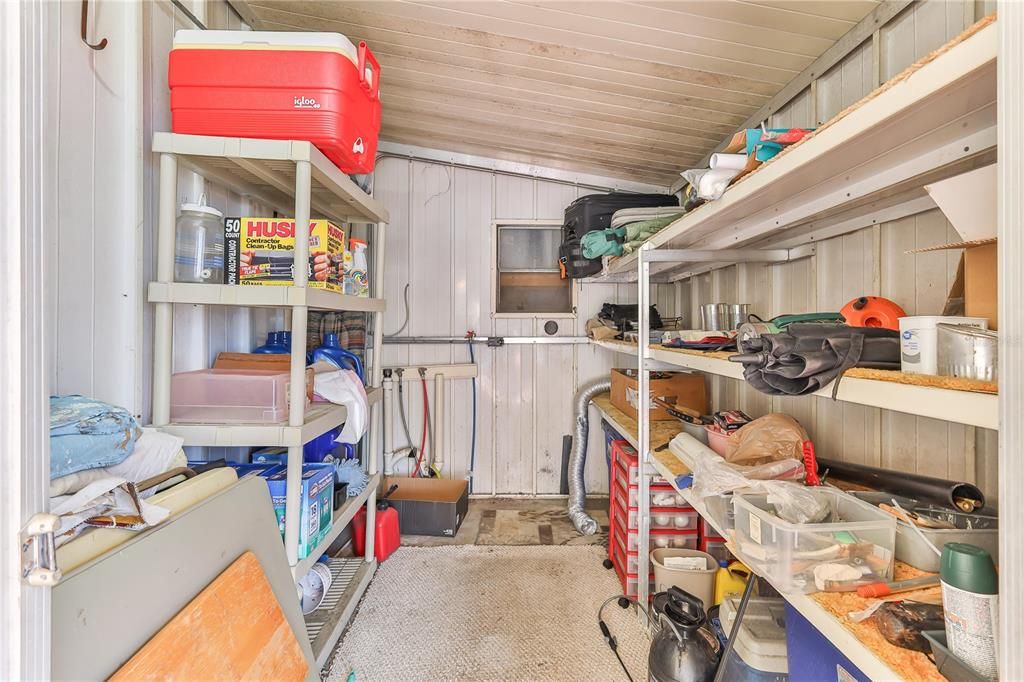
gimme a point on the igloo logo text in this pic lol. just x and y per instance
(300, 102)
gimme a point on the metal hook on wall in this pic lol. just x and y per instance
(85, 25)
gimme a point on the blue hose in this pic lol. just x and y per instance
(472, 442)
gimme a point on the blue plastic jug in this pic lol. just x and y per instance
(332, 352)
(278, 343)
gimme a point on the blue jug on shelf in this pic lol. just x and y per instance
(278, 343)
(332, 352)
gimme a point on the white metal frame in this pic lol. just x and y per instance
(574, 286)
(310, 168)
(1011, 352)
(24, 427)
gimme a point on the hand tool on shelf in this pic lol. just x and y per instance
(885, 589)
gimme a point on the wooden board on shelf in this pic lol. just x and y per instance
(233, 630)
(661, 432)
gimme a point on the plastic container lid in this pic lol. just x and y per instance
(200, 208)
(265, 40)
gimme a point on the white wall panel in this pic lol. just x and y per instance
(441, 242)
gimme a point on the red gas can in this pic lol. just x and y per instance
(279, 86)
(387, 536)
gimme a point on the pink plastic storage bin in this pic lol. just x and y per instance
(229, 396)
(718, 439)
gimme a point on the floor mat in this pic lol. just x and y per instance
(490, 613)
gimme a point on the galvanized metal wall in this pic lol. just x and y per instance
(440, 242)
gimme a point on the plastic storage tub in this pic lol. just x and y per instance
(279, 86)
(718, 440)
(974, 529)
(235, 396)
(698, 582)
(919, 344)
(759, 653)
(788, 553)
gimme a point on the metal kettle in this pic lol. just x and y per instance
(682, 650)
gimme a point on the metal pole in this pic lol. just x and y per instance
(163, 319)
(297, 399)
(643, 421)
(735, 629)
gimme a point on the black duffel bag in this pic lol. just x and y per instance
(806, 357)
(624, 316)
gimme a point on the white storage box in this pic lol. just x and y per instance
(857, 535)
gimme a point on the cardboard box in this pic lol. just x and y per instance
(260, 251)
(280, 362)
(429, 506)
(969, 202)
(316, 502)
(685, 389)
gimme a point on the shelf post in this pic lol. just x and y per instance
(297, 397)
(163, 319)
(376, 375)
(643, 436)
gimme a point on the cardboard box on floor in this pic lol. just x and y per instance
(969, 203)
(684, 389)
(429, 506)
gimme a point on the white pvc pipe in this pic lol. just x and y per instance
(388, 410)
(438, 417)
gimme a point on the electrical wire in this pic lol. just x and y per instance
(472, 438)
(405, 323)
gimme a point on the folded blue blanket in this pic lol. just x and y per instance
(87, 433)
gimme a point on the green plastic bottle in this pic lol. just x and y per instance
(970, 599)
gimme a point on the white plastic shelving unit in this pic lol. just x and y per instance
(869, 165)
(296, 179)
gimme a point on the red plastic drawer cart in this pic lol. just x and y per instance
(673, 522)
(279, 86)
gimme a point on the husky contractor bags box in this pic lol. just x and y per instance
(261, 251)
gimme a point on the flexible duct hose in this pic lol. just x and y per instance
(584, 523)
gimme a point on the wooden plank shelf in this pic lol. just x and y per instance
(899, 392)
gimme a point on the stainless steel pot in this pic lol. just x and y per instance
(714, 317)
(968, 352)
(738, 313)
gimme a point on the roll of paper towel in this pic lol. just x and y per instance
(728, 161)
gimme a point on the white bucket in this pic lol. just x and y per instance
(919, 340)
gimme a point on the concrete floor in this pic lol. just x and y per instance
(520, 521)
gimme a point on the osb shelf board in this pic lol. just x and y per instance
(716, 354)
(661, 431)
(913, 665)
(925, 380)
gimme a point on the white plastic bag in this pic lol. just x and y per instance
(343, 387)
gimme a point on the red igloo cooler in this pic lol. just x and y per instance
(281, 86)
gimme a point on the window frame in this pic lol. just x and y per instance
(550, 224)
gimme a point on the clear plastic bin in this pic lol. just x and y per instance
(857, 535)
(661, 496)
(229, 396)
(666, 519)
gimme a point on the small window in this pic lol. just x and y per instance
(527, 282)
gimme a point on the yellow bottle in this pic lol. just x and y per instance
(731, 580)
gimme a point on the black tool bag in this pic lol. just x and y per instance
(808, 356)
(594, 212)
(625, 316)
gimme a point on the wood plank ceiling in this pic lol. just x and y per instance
(632, 90)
